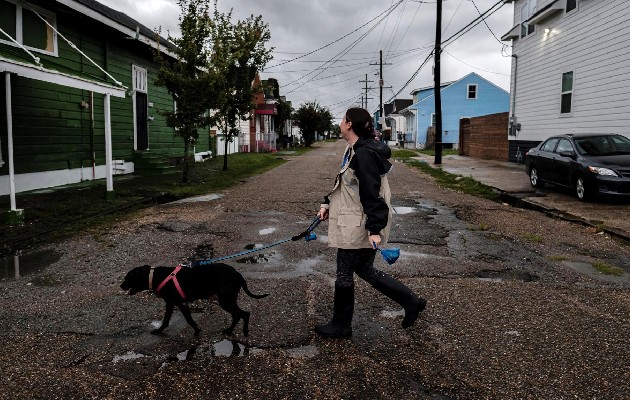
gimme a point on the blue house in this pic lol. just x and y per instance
(470, 96)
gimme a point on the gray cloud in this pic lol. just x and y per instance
(406, 37)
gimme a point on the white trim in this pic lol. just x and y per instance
(19, 37)
(108, 145)
(468, 91)
(52, 179)
(572, 92)
(59, 78)
(117, 26)
(134, 85)
(7, 89)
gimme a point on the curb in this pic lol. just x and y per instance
(563, 215)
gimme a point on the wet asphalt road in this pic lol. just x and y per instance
(516, 309)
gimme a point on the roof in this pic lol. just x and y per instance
(430, 87)
(117, 20)
(450, 84)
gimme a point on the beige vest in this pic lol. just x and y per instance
(346, 227)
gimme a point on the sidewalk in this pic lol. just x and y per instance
(610, 215)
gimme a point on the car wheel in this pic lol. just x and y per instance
(533, 178)
(581, 190)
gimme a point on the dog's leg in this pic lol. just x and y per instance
(245, 316)
(229, 305)
(168, 312)
(186, 311)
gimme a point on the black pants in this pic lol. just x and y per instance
(359, 261)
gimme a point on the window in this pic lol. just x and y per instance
(571, 5)
(20, 20)
(472, 91)
(566, 100)
(433, 120)
(549, 145)
(564, 145)
(527, 10)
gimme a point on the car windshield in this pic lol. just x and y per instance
(603, 145)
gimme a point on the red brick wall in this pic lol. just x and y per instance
(485, 137)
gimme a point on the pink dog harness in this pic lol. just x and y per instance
(171, 277)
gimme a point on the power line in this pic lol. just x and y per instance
(341, 38)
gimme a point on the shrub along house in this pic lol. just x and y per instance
(77, 96)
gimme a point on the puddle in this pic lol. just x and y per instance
(505, 275)
(303, 352)
(198, 199)
(266, 231)
(393, 314)
(588, 269)
(403, 210)
(130, 355)
(228, 348)
(15, 266)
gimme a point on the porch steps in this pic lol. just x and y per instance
(147, 163)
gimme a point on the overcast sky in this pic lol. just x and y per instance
(331, 76)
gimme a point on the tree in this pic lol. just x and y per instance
(188, 78)
(312, 118)
(238, 54)
(284, 114)
(335, 132)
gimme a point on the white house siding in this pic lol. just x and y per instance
(591, 41)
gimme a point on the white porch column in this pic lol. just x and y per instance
(108, 147)
(7, 83)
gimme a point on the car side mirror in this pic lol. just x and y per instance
(570, 154)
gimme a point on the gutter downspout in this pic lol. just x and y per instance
(514, 88)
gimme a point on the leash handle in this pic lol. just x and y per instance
(308, 233)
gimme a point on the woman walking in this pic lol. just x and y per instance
(359, 210)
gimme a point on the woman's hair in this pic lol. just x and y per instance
(362, 122)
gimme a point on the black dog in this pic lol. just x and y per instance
(178, 286)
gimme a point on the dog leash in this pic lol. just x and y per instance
(308, 235)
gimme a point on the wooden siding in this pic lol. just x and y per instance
(591, 41)
(52, 131)
(455, 105)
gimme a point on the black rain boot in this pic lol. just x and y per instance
(341, 324)
(402, 295)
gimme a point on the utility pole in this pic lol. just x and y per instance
(381, 81)
(366, 92)
(437, 87)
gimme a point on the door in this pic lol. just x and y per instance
(563, 165)
(142, 129)
(140, 108)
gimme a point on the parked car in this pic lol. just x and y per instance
(590, 164)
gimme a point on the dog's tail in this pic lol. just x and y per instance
(250, 294)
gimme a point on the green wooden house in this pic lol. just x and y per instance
(77, 95)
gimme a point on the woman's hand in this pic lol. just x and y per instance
(375, 240)
(323, 214)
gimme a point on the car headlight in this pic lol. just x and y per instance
(602, 171)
